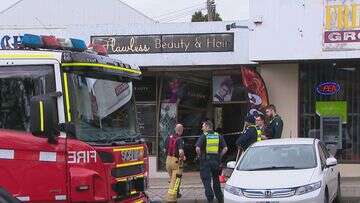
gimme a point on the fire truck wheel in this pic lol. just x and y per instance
(6, 198)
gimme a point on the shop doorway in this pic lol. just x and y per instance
(229, 118)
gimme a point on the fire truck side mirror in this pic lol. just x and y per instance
(68, 128)
(43, 117)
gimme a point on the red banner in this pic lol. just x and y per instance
(258, 96)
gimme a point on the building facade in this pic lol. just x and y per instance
(308, 53)
(192, 72)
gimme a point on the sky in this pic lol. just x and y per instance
(179, 10)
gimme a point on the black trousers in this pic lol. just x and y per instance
(210, 170)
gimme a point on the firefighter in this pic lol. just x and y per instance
(210, 148)
(174, 162)
(248, 136)
(276, 123)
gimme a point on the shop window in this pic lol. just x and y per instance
(185, 99)
(145, 94)
(330, 106)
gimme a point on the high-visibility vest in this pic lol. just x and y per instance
(212, 143)
(258, 132)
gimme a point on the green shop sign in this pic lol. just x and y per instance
(332, 108)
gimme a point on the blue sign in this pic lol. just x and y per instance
(10, 42)
(328, 88)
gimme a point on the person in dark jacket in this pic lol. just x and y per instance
(263, 130)
(247, 137)
(210, 148)
(276, 123)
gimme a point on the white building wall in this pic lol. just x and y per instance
(281, 81)
(289, 30)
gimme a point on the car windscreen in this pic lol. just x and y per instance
(278, 157)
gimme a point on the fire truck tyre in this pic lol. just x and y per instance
(6, 198)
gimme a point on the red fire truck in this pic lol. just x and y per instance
(68, 130)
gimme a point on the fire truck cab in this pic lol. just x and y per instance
(68, 129)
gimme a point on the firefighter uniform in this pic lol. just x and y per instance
(211, 144)
(174, 166)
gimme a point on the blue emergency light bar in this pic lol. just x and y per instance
(32, 41)
(78, 44)
(50, 42)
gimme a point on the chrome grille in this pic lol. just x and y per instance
(254, 193)
(283, 193)
(275, 193)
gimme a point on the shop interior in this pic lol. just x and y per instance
(164, 98)
(330, 106)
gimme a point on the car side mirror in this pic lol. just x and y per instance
(43, 117)
(231, 164)
(331, 162)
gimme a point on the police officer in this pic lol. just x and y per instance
(248, 136)
(174, 162)
(276, 123)
(210, 148)
(261, 128)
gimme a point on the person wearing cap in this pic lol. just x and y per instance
(210, 148)
(248, 136)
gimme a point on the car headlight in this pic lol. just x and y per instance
(308, 188)
(233, 190)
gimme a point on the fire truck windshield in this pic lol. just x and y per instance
(102, 110)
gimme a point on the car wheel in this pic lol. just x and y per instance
(326, 197)
(338, 193)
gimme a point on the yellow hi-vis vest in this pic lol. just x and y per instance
(212, 143)
(258, 132)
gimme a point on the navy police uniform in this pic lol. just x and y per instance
(247, 137)
(211, 144)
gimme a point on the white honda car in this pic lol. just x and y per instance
(284, 170)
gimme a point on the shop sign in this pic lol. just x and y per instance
(328, 88)
(332, 109)
(341, 25)
(166, 43)
(10, 42)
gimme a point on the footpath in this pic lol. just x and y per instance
(192, 189)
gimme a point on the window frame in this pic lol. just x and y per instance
(57, 73)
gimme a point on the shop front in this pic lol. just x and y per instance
(190, 97)
(330, 106)
(318, 64)
(192, 72)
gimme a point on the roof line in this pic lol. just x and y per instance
(137, 11)
(10, 7)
